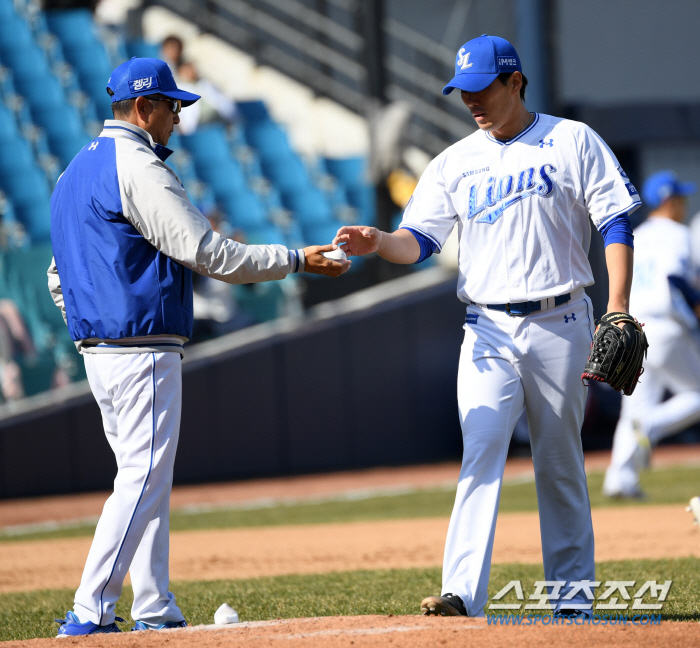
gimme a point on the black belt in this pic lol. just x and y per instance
(526, 308)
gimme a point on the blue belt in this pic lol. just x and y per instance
(526, 308)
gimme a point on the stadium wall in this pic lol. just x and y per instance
(364, 381)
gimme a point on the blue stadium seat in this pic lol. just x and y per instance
(72, 26)
(8, 126)
(41, 91)
(65, 148)
(310, 207)
(207, 144)
(7, 11)
(142, 49)
(287, 173)
(15, 34)
(27, 61)
(224, 177)
(244, 210)
(315, 234)
(89, 59)
(349, 171)
(36, 218)
(266, 235)
(16, 155)
(364, 199)
(269, 139)
(253, 112)
(58, 120)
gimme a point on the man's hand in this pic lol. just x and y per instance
(360, 239)
(316, 263)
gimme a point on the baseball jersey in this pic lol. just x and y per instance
(522, 207)
(661, 249)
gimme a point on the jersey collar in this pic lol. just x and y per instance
(163, 152)
(521, 134)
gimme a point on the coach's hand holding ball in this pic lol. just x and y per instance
(318, 261)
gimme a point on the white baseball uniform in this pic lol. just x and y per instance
(662, 249)
(522, 207)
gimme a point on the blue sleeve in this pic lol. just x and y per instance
(689, 293)
(618, 230)
(427, 246)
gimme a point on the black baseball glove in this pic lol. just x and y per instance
(617, 352)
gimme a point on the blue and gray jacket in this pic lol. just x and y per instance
(126, 239)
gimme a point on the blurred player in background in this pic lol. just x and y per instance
(521, 190)
(664, 299)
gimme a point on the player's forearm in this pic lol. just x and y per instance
(618, 258)
(399, 247)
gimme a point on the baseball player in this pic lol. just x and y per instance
(665, 301)
(520, 190)
(126, 239)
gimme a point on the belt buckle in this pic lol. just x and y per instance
(508, 310)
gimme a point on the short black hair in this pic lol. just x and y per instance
(504, 76)
(123, 108)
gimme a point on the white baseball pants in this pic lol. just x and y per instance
(673, 364)
(139, 395)
(507, 364)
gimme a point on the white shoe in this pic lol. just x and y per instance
(694, 508)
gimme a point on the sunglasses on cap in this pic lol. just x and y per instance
(175, 104)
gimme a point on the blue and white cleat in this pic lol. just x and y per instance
(142, 625)
(71, 626)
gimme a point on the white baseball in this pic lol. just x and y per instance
(336, 255)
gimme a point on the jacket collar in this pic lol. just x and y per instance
(118, 128)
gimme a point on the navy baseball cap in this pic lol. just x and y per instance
(662, 185)
(146, 76)
(480, 61)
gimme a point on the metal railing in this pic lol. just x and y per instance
(334, 46)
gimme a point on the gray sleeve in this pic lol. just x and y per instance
(155, 203)
(55, 288)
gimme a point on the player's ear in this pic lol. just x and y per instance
(143, 108)
(516, 79)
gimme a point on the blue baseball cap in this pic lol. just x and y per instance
(662, 185)
(480, 61)
(146, 76)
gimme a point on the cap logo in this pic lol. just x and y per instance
(463, 60)
(141, 84)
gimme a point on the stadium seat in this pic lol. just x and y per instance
(287, 173)
(207, 144)
(72, 26)
(58, 120)
(142, 49)
(66, 147)
(310, 207)
(7, 12)
(245, 210)
(320, 234)
(16, 155)
(224, 177)
(253, 112)
(349, 171)
(267, 235)
(15, 34)
(363, 198)
(36, 217)
(269, 139)
(28, 61)
(8, 126)
(41, 91)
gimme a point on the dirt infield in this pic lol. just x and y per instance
(621, 533)
(399, 631)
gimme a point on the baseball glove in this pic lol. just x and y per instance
(617, 352)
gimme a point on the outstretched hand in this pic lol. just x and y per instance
(316, 263)
(360, 239)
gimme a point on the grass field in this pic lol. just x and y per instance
(664, 486)
(30, 615)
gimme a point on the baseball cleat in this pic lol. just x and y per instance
(445, 605)
(636, 493)
(694, 508)
(71, 626)
(142, 625)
